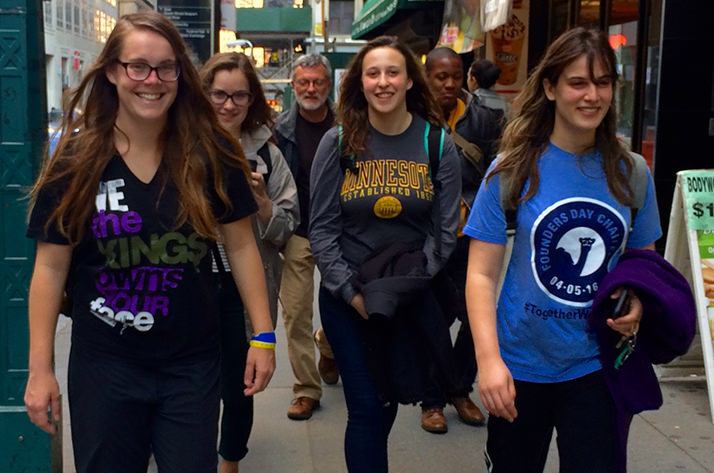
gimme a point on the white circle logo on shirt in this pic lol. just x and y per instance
(574, 243)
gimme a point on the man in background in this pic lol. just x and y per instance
(298, 132)
(445, 74)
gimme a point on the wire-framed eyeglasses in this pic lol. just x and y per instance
(305, 83)
(141, 71)
(240, 98)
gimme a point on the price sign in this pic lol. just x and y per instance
(698, 187)
(690, 249)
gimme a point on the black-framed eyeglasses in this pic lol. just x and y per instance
(141, 71)
(240, 98)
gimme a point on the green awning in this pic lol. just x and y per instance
(375, 12)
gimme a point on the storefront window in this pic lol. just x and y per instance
(637, 64)
(589, 13)
(649, 115)
(623, 40)
(558, 18)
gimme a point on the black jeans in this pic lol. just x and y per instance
(450, 291)
(121, 411)
(237, 418)
(582, 413)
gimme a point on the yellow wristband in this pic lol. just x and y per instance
(257, 344)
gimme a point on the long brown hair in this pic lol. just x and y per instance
(194, 145)
(352, 107)
(259, 113)
(527, 134)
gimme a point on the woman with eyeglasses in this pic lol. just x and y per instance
(237, 96)
(564, 172)
(124, 214)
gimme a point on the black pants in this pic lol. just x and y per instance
(582, 413)
(121, 411)
(237, 418)
(450, 291)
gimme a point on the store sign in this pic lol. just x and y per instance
(228, 15)
(690, 249)
(194, 20)
(698, 187)
(461, 26)
(507, 47)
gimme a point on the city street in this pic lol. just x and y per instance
(677, 438)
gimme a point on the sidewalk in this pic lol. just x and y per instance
(679, 438)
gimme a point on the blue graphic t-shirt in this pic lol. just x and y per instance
(569, 235)
(142, 289)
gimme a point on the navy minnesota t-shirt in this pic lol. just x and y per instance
(142, 289)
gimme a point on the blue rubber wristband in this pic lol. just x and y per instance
(264, 337)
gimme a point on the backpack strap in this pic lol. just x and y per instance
(509, 213)
(346, 162)
(217, 257)
(471, 151)
(434, 147)
(504, 182)
(264, 153)
(638, 184)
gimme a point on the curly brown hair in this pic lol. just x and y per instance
(352, 107)
(528, 133)
(193, 143)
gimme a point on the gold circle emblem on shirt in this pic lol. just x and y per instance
(387, 207)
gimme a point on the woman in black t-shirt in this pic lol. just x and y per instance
(124, 214)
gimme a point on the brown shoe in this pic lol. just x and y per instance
(328, 370)
(302, 407)
(327, 366)
(433, 420)
(469, 413)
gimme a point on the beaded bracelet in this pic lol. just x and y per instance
(263, 340)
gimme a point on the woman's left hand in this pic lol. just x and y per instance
(629, 323)
(259, 368)
(265, 205)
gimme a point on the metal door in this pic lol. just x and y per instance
(23, 447)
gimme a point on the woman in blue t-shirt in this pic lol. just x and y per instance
(567, 176)
(137, 190)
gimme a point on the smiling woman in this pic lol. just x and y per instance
(564, 172)
(372, 188)
(138, 188)
(237, 95)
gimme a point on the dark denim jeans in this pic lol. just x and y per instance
(368, 419)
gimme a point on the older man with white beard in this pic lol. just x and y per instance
(298, 132)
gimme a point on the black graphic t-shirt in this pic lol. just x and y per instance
(142, 289)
